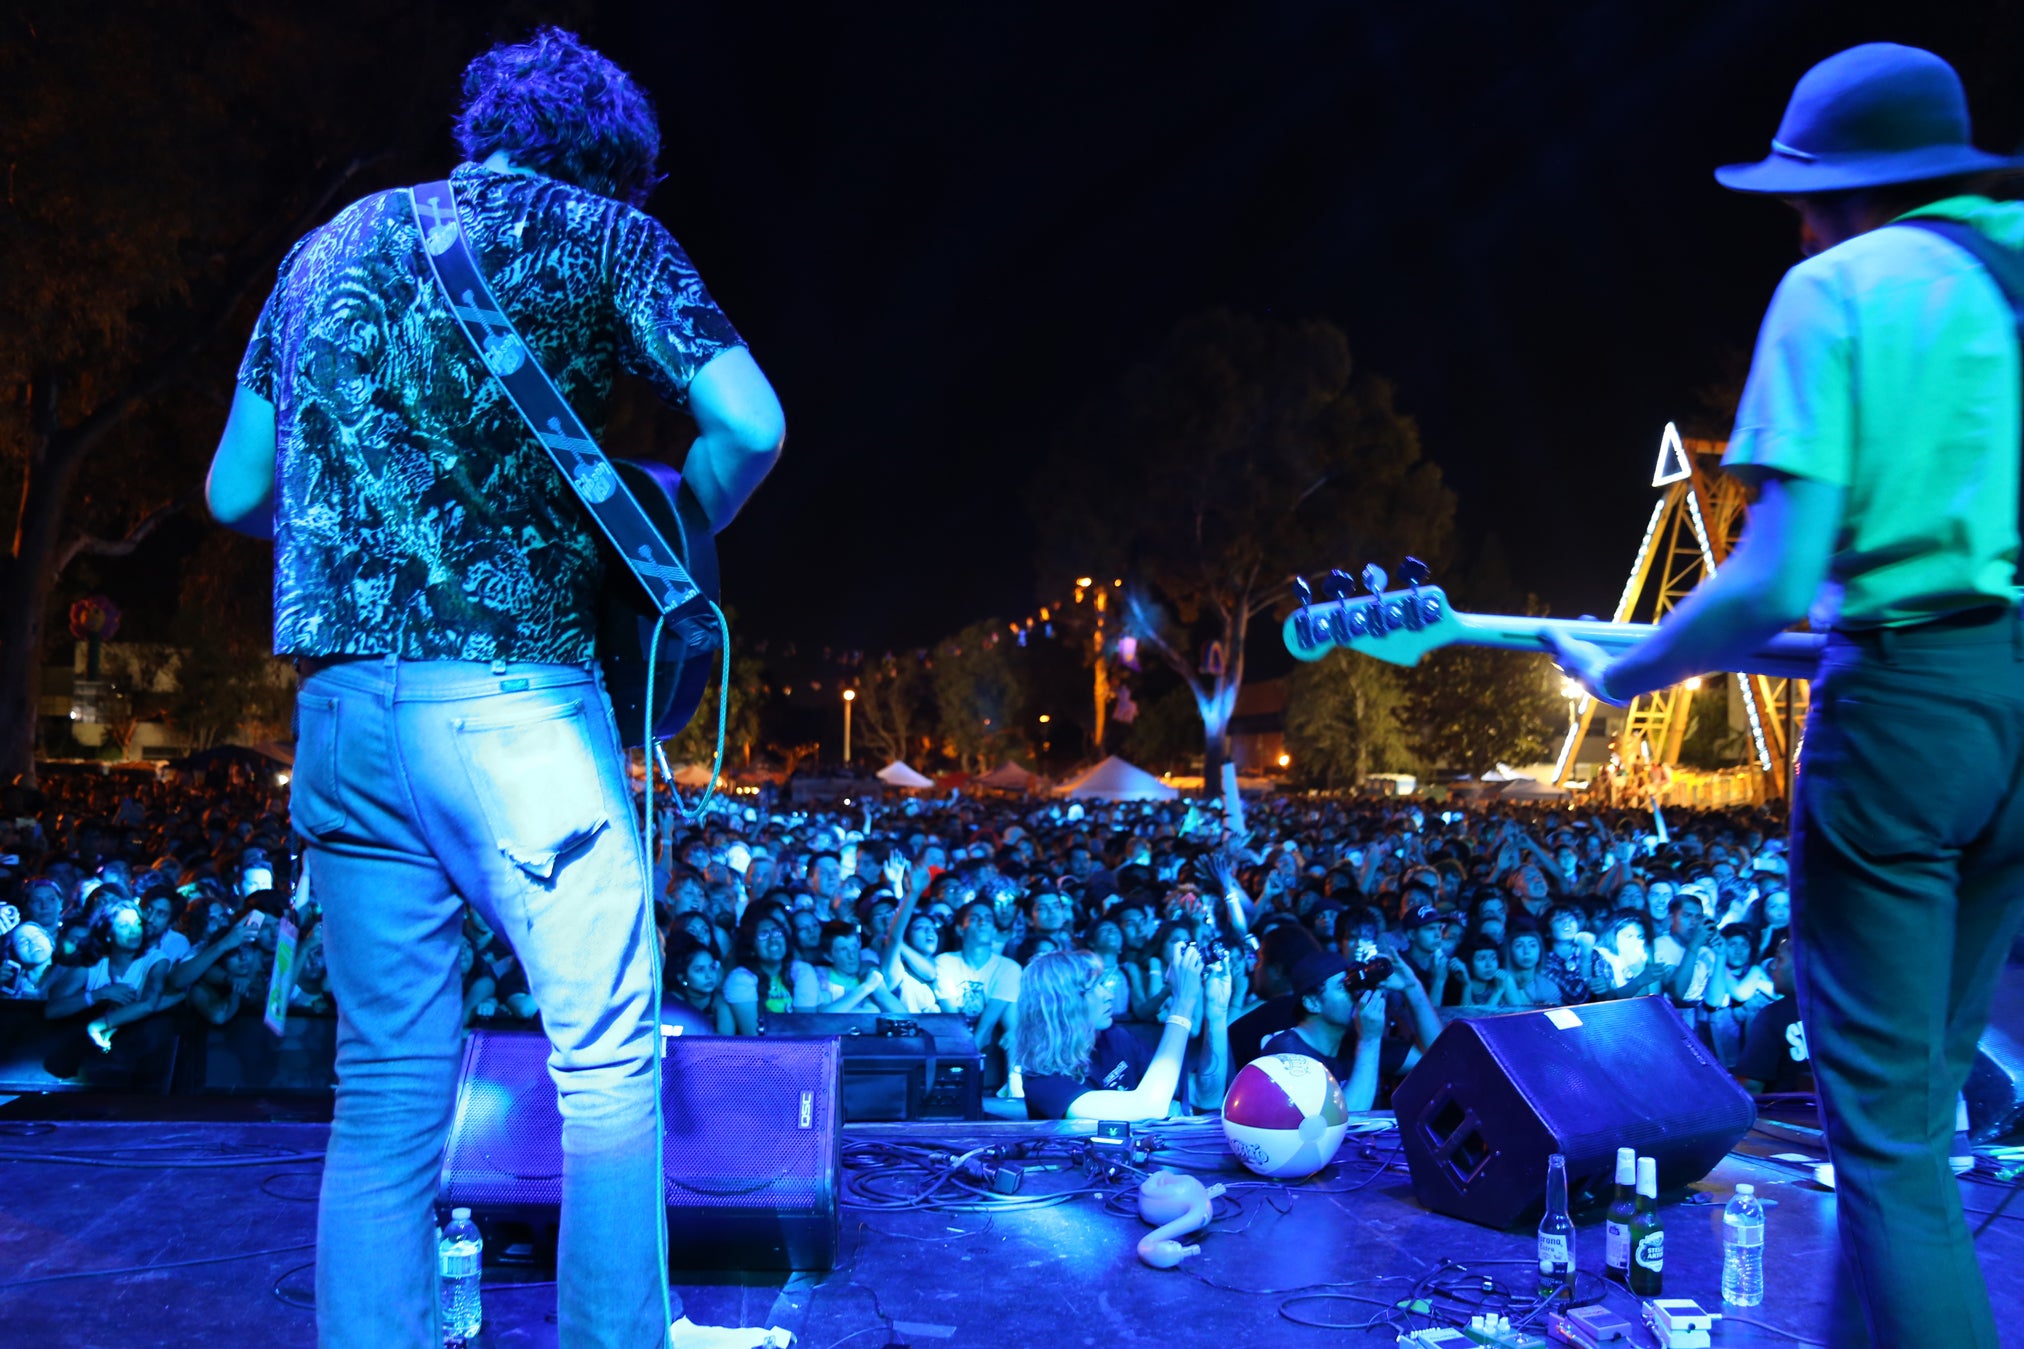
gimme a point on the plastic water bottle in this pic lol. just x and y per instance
(1962, 1158)
(460, 1257)
(1743, 1249)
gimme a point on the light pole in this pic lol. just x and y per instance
(849, 697)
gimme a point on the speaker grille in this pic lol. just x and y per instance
(750, 1149)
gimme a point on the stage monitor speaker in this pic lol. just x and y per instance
(751, 1152)
(1494, 1097)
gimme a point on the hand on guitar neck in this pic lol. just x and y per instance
(1402, 626)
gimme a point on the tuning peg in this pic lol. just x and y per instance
(1374, 579)
(1340, 585)
(1415, 572)
(1302, 591)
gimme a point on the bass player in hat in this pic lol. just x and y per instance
(1881, 428)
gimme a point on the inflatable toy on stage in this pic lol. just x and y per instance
(1284, 1116)
(1178, 1205)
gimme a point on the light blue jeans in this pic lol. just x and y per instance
(420, 785)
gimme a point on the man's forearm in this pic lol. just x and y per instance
(1712, 629)
(1426, 1021)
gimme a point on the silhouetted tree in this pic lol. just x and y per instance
(1245, 450)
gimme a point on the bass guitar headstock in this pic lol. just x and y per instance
(1399, 627)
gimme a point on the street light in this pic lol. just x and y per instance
(1286, 761)
(849, 697)
(1044, 718)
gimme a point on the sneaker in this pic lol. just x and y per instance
(684, 1334)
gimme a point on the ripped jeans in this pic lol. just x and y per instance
(420, 785)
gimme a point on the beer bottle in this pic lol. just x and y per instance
(1622, 1210)
(1647, 1236)
(1556, 1237)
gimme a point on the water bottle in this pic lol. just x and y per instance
(1743, 1249)
(459, 1258)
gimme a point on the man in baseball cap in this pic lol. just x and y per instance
(1880, 429)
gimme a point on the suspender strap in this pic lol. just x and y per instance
(541, 405)
(2006, 268)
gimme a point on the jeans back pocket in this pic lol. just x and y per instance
(314, 806)
(536, 779)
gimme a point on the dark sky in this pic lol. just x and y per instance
(941, 227)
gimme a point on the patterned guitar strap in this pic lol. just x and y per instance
(667, 583)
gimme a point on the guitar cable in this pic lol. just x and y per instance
(652, 932)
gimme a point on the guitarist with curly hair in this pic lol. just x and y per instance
(435, 579)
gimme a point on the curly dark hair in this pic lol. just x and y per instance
(564, 110)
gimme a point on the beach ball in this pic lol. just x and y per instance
(1284, 1116)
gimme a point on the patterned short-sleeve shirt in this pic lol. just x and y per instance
(414, 512)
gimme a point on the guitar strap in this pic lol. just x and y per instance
(2005, 267)
(667, 583)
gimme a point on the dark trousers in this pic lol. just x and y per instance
(1907, 888)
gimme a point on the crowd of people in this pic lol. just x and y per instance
(1109, 958)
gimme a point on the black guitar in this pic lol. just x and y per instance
(691, 645)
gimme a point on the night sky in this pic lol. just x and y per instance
(942, 227)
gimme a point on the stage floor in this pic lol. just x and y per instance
(94, 1252)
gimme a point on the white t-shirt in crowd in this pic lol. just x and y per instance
(172, 947)
(1668, 952)
(969, 989)
(916, 997)
(99, 975)
(742, 986)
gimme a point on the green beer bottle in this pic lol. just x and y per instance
(1647, 1235)
(1622, 1212)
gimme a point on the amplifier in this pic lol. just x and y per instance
(897, 1068)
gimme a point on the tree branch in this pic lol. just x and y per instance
(87, 543)
(78, 440)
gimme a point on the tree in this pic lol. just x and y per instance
(1167, 733)
(895, 705)
(1342, 720)
(980, 697)
(1471, 708)
(157, 164)
(697, 742)
(1245, 450)
(228, 682)
(1710, 742)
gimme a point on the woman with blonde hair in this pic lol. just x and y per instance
(1076, 1064)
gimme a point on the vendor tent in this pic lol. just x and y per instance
(1006, 777)
(1116, 780)
(897, 774)
(692, 775)
(1531, 789)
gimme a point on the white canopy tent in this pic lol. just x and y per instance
(1006, 777)
(1531, 789)
(1116, 780)
(897, 774)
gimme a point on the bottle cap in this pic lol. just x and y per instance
(1626, 1166)
(1648, 1176)
(1746, 1188)
(458, 1215)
